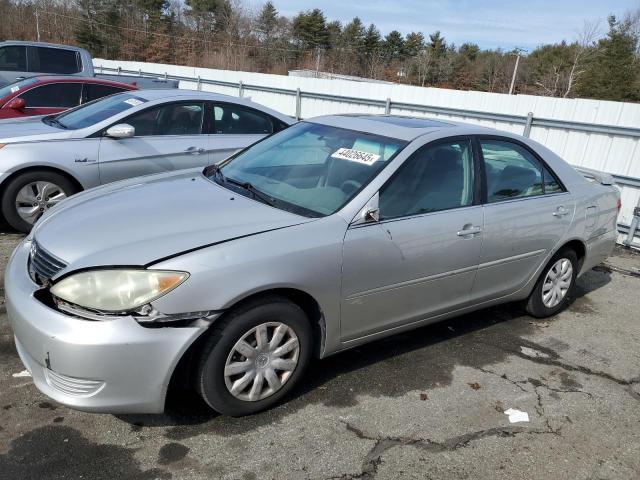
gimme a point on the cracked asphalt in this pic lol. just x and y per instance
(427, 404)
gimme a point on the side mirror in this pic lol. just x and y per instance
(121, 130)
(17, 104)
(370, 213)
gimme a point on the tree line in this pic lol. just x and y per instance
(599, 63)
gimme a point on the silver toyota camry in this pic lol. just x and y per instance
(43, 160)
(334, 232)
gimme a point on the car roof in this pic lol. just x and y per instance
(396, 126)
(41, 44)
(170, 94)
(76, 79)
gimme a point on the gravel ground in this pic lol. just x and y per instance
(426, 404)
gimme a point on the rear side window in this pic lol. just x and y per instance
(54, 60)
(54, 95)
(13, 58)
(235, 120)
(93, 91)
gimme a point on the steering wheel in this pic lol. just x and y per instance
(350, 186)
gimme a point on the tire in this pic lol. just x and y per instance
(539, 304)
(243, 323)
(32, 182)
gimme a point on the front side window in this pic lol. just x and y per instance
(511, 171)
(309, 169)
(436, 177)
(54, 95)
(13, 58)
(55, 60)
(234, 120)
(97, 111)
(171, 119)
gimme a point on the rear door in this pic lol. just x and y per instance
(420, 258)
(168, 137)
(526, 214)
(13, 63)
(235, 127)
(51, 98)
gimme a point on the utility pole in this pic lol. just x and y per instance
(37, 24)
(318, 62)
(517, 52)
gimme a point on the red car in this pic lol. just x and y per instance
(44, 95)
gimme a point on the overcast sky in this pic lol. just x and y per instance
(489, 23)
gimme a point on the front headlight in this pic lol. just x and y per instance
(116, 290)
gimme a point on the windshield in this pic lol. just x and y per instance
(96, 111)
(308, 168)
(17, 86)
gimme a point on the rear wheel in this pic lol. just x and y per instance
(555, 287)
(29, 195)
(254, 356)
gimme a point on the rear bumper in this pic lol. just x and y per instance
(113, 366)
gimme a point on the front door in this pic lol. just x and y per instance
(420, 258)
(527, 212)
(167, 137)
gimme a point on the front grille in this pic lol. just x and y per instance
(43, 266)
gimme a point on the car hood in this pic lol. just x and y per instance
(29, 128)
(141, 221)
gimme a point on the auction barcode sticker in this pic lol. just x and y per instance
(356, 156)
(134, 102)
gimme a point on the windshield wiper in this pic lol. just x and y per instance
(217, 172)
(255, 193)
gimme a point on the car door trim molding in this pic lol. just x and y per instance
(513, 258)
(408, 283)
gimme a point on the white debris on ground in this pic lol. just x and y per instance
(23, 373)
(516, 416)
(530, 352)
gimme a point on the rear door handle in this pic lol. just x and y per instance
(561, 212)
(195, 150)
(465, 232)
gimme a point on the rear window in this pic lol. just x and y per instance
(54, 60)
(13, 58)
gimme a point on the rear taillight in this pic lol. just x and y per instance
(619, 205)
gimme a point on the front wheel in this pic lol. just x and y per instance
(555, 287)
(254, 356)
(27, 196)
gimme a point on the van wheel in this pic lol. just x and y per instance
(254, 356)
(556, 285)
(29, 195)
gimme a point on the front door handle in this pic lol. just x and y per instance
(469, 230)
(195, 150)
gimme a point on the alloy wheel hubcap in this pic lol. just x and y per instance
(35, 198)
(262, 361)
(557, 282)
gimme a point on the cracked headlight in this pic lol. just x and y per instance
(116, 290)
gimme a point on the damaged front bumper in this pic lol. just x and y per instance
(114, 366)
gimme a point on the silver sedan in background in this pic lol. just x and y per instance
(337, 231)
(45, 159)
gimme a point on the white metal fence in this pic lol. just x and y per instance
(596, 134)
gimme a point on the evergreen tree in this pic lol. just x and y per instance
(612, 73)
(310, 30)
(267, 21)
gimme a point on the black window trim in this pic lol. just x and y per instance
(240, 106)
(102, 132)
(544, 165)
(477, 184)
(41, 85)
